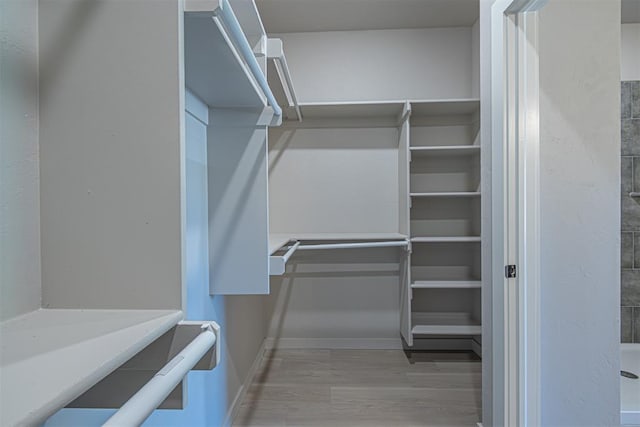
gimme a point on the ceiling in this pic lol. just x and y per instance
(630, 11)
(290, 16)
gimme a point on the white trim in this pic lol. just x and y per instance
(234, 409)
(529, 216)
(515, 213)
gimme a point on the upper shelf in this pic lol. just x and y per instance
(350, 114)
(444, 151)
(50, 357)
(445, 107)
(276, 238)
(214, 68)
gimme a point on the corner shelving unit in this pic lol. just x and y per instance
(443, 299)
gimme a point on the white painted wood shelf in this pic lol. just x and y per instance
(276, 238)
(211, 56)
(446, 284)
(444, 324)
(352, 110)
(444, 150)
(447, 194)
(446, 239)
(445, 107)
(50, 357)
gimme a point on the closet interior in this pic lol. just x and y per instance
(362, 176)
(320, 166)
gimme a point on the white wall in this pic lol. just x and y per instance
(111, 154)
(580, 212)
(337, 298)
(630, 59)
(19, 175)
(380, 65)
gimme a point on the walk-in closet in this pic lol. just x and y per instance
(281, 198)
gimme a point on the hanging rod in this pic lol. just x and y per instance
(224, 13)
(275, 51)
(152, 394)
(290, 252)
(389, 244)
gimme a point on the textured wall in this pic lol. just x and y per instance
(432, 63)
(20, 285)
(580, 212)
(630, 254)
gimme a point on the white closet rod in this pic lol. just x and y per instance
(283, 69)
(275, 51)
(290, 252)
(403, 243)
(152, 394)
(225, 12)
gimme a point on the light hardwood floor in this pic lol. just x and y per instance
(335, 388)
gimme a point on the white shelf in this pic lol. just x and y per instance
(446, 284)
(447, 194)
(276, 241)
(352, 110)
(50, 357)
(443, 150)
(446, 239)
(445, 107)
(444, 324)
(214, 69)
(279, 237)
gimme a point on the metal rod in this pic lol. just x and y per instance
(403, 243)
(152, 394)
(285, 71)
(290, 252)
(231, 23)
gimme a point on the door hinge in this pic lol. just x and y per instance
(510, 271)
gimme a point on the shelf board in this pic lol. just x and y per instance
(334, 236)
(353, 110)
(214, 70)
(444, 324)
(446, 239)
(447, 194)
(446, 284)
(50, 357)
(443, 150)
(276, 241)
(445, 107)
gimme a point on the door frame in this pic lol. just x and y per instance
(515, 217)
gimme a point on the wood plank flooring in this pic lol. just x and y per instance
(336, 388)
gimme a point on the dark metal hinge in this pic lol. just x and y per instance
(510, 271)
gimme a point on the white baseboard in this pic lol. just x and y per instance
(335, 343)
(242, 391)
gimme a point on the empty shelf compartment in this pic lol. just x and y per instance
(445, 217)
(444, 324)
(446, 262)
(444, 174)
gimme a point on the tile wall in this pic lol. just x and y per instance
(630, 255)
